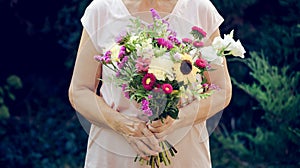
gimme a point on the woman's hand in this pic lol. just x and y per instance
(161, 128)
(138, 135)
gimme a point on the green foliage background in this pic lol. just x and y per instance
(260, 127)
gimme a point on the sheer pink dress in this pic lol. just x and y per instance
(104, 20)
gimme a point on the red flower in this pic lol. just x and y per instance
(148, 81)
(167, 88)
(201, 63)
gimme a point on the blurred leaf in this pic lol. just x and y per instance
(4, 112)
(1, 91)
(14, 81)
(11, 96)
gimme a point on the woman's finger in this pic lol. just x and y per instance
(151, 140)
(157, 129)
(159, 123)
(138, 151)
(162, 135)
(145, 148)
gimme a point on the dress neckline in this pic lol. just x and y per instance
(146, 22)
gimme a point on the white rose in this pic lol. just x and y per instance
(161, 67)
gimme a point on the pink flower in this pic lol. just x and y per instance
(187, 40)
(199, 30)
(167, 88)
(205, 85)
(142, 64)
(198, 44)
(148, 81)
(201, 63)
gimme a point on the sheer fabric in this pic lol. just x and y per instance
(103, 21)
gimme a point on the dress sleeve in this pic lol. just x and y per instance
(92, 20)
(209, 18)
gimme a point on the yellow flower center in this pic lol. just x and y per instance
(148, 80)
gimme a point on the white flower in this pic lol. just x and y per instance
(210, 55)
(238, 49)
(218, 43)
(234, 48)
(145, 49)
(115, 50)
(161, 67)
(133, 38)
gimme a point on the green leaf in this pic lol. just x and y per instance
(1, 91)
(4, 112)
(11, 96)
(14, 81)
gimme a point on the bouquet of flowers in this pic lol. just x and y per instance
(155, 68)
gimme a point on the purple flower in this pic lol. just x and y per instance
(172, 32)
(177, 56)
(118, 73)
(214, 87)
(120, 65)
(168, 24)
(120, 38)
(165, 43)
(105, 59)
(126, 93)
(122, 52)
(124, 86)
(154, 13)
(98, 58)
(125, 59)
(174, 39)
(145, 108)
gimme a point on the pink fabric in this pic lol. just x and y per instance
(104, 20)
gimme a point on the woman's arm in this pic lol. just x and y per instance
(83, 97)
(84, 84)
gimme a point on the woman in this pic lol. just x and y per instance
(117, 133)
